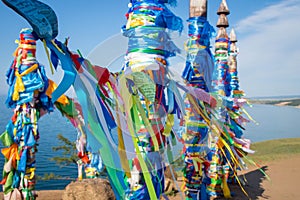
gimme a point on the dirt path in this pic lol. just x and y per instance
(284, 184)
(284, 175)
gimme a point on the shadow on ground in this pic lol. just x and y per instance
(253, 186)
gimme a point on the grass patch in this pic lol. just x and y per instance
(275, 149)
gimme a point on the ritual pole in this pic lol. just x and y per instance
(232, 62)
(219, 168)
(27, 97)
(198, 74)
(142, 83)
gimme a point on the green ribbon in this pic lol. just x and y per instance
(6, 139)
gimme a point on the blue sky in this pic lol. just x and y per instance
(268, 31)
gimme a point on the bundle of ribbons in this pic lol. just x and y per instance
(151, 104)
(230, 146)
(197, 138)
(89, 161)
(219, 170)
(27, 96)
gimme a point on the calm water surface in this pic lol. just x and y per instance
(274, 122)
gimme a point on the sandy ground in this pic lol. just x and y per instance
(286, 103)
(284, 174)
(283, 103)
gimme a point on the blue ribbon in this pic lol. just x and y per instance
(170, 2)
(39, 15)
(68, 67)
(203, 60)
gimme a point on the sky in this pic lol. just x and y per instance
(267, 32)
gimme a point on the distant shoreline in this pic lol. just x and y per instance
(295, 102)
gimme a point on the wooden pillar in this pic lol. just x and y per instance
(198, 8)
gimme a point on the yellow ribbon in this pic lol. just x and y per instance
(48, 56)
(197, 160)
(226, 190)
(129, 20)
(248, 115)
(31, 171)
(235, 175)
(169, 125)
(51, 87)
(121, 145)
(146, 122)
(19, 85)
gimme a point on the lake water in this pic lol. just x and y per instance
(274, 123)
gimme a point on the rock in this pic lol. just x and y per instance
(87, 189)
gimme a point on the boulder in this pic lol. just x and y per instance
(87, 189)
